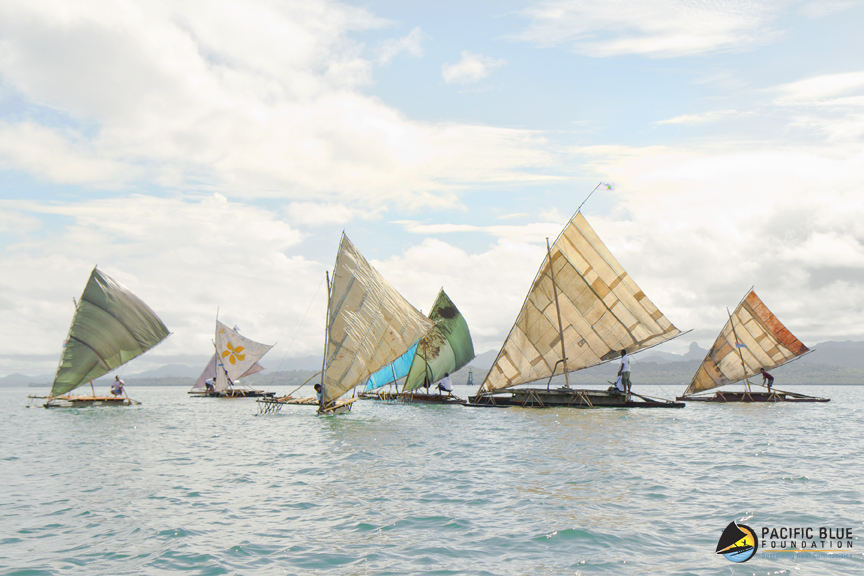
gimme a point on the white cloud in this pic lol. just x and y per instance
(703, 224)
(523, 234)
(322, 214)
(471, 68)
(661, 29)
(704, 118)
(16, 223)
(247, 98)
(62, 156)
(822, 8)
(410, 44)
(502, 271)
(820, 89)
(185, 257)
(695, 227)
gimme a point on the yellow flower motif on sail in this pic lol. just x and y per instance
(233, 354)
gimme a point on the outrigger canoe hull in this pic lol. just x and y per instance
(413, 397)
(749, 397)
(337, 407)
(570, 398)
(231, 393)
(84, 401)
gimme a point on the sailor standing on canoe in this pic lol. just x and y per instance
(767, 378)
(624, 371)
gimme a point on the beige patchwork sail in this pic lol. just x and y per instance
(369, 323)
(753, 338)
(602, 312)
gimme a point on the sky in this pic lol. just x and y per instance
(209, 154)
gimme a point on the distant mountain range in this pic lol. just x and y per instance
(829, 363)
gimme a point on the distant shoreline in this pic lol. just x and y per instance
(132, 383)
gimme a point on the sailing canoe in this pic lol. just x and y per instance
(235, 357)
(444, 350)
(581, 310)
(753, 338)
(369, 325)
(111, 327)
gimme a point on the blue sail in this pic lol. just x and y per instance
(393, 371)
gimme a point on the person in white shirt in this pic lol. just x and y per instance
(624, 371)
(445, 385)
(117, 386)
(210, 384)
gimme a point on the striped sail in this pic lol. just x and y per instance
(111, 326)
(753, 338)
(602, 312)
(369, 323)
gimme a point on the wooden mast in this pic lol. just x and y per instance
(326, 340)
(740, 355)
(558, 311)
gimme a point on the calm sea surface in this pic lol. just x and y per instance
(202, 486)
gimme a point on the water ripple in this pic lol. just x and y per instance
(204, 487)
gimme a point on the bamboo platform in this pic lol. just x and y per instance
(80, 401)
(753, 397)
(569, 398)
(274, 405)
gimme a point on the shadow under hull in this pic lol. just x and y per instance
(753, 397)
(413, 398)
(569, 398)
(233, 393)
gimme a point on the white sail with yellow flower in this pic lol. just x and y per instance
(236, 355)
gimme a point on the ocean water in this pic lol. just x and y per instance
(203, 486)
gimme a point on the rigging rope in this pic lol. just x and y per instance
(273, 377)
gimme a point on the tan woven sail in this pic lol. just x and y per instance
(370, 324)
(602, 312)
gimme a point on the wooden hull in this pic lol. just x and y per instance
(83, 401)
(413, 397)
(338, 407)
(234, 393)
(748, 397)
(568, 397)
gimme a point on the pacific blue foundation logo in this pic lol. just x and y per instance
(738, 543)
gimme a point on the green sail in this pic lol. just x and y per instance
(446, 348)
(111, 327)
